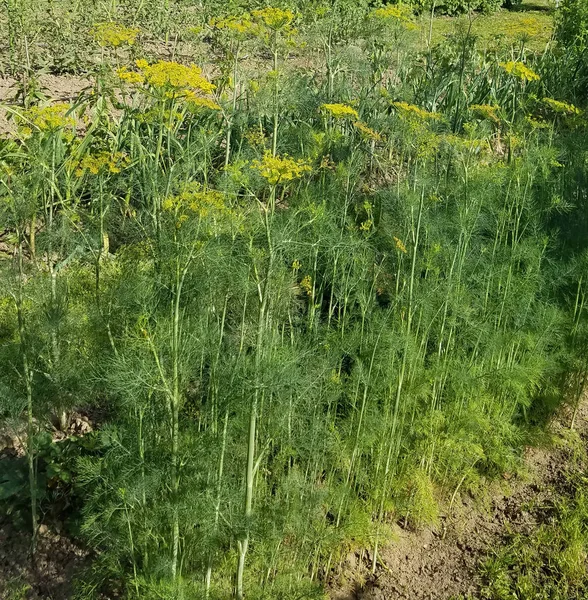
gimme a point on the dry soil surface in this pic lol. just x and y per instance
(443, 562)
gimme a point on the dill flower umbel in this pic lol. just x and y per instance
(48, 118)
(276, 169)
(195, 101)
(306, 285)
(102, 161)
(241, 26)
(486, 111)
(340, 111)
(399, 244)
(410, 111)
(398, 13)
(274, 18)
(520, 71)
(131, 77)
(196, 202)
(563, 108)
(114, 34)
(169, 74)
(367, 132)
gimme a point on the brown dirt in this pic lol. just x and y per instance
(58, 558)
(50, 576)
(443, 562)
(58, 88)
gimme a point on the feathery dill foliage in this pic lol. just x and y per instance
(303, 303)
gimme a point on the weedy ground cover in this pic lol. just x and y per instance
(306, 298)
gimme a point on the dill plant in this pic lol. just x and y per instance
(312, 307)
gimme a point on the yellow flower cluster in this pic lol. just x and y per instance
(396, 13)
(524, 27)
(340, 111)
(399, 244)
(131, 77)
(114, 34)
(367, 132)
(296, 264)
(520, 71)
(562, 107)
(486, 111)
(195, 201)
(95, 163)
(275, 18)
(48, 118)
(279, 169)
(169, 74)
(195, 101)
(306, 285)
(410, 111)
(243, 25)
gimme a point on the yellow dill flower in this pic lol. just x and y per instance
(275, 18)
(399, 244)
(243, 25)
(114, 34)
(340, 111)
(95, 163)
(279, 169)
(196, 101)
(562, 107)
(366, 225)
(519, 70)
(486, 111)
(48, 118)
(367, 132)
(202, 203)
(296, 265)
(256, 137)
(131, 77)
(306, 285)
(410, 111)
(523, 27)
(398, 13)
(169, 74)
(335, 377)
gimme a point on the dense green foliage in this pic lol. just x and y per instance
(283, 355)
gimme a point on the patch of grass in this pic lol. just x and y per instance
(550, 563)
(531, 25)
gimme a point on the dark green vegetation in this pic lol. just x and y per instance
(315, 297)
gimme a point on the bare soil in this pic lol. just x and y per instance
(443, 562)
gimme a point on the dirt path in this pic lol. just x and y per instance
(443, 563)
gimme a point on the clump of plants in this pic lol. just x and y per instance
(303, 303)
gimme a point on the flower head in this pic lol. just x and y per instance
(340, 111)
(48, 118)
(241, 26)
(173, 75)
(562, 108)
(412, 112)
(367, 132)
(132, 77)
(394, 13)
(275, 18)
(399, 244)
(520, 71)
(114, 34)
(278, 169)
(102, 161)
(486, 111)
